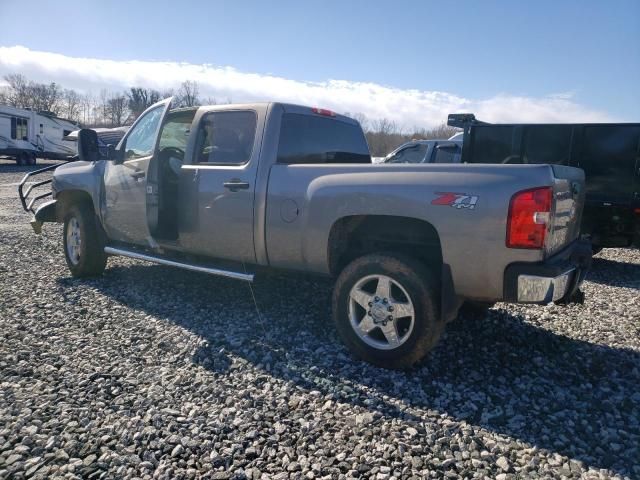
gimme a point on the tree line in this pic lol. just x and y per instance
(114, 109)
(106, 109)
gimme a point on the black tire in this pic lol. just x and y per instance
(31, 159)
(90, 259)
(21, 159)
(422, 289)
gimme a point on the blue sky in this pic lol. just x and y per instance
(582, 55)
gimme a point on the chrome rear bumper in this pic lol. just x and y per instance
(537, 289)
(556, 279)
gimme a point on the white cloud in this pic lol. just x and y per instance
(407, 108)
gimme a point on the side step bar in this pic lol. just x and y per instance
(248, 277)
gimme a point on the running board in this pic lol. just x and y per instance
(248, 277)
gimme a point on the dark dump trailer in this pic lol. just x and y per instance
(609, 154)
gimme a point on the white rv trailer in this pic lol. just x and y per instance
(26, 135)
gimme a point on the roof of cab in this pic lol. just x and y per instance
(287, 107)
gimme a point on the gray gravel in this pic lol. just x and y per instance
(150, 372)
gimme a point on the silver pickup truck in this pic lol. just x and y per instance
(232, 189)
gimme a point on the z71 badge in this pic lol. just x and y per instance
(457, 200)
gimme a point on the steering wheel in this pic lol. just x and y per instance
(173, 152)
(166, 154)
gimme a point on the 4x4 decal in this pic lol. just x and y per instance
(457, 200)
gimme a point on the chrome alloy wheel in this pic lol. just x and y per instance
(381, 312)
(74, 240)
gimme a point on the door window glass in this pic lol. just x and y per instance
(410, 154)
(226, 137)
(141, 139)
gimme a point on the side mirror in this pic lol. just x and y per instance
(88, 145)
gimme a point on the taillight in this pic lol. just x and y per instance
(529, 214)
(323, 111)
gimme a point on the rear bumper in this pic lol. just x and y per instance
(557, 279)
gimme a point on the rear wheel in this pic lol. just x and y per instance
(31, 159)
(386, 310)
(22, 159)
(83, 247)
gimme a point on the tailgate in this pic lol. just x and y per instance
(569, 192)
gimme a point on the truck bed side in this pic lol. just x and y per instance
(305, 202)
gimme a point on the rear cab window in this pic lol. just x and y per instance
(312, 139)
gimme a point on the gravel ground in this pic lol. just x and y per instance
(151, 372)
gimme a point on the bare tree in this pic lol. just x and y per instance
(188, 94)
(70, 105)
(16, 93)
(87, 106)
(139, 99)
(117, 108)
(104, 96)
(442, 131)
(43, 97)
(22, 93)
(210, 101)
(383, 136)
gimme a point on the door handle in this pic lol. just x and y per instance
(235, 185)
(138, 174)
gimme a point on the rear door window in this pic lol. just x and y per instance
(175, 132)
(314, 139)
(226, 138)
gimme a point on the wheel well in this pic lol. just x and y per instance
(358, 235)
(67, 198)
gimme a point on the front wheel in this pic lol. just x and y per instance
(83, 247)
(385, 307)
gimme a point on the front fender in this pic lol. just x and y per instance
(84, 178)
